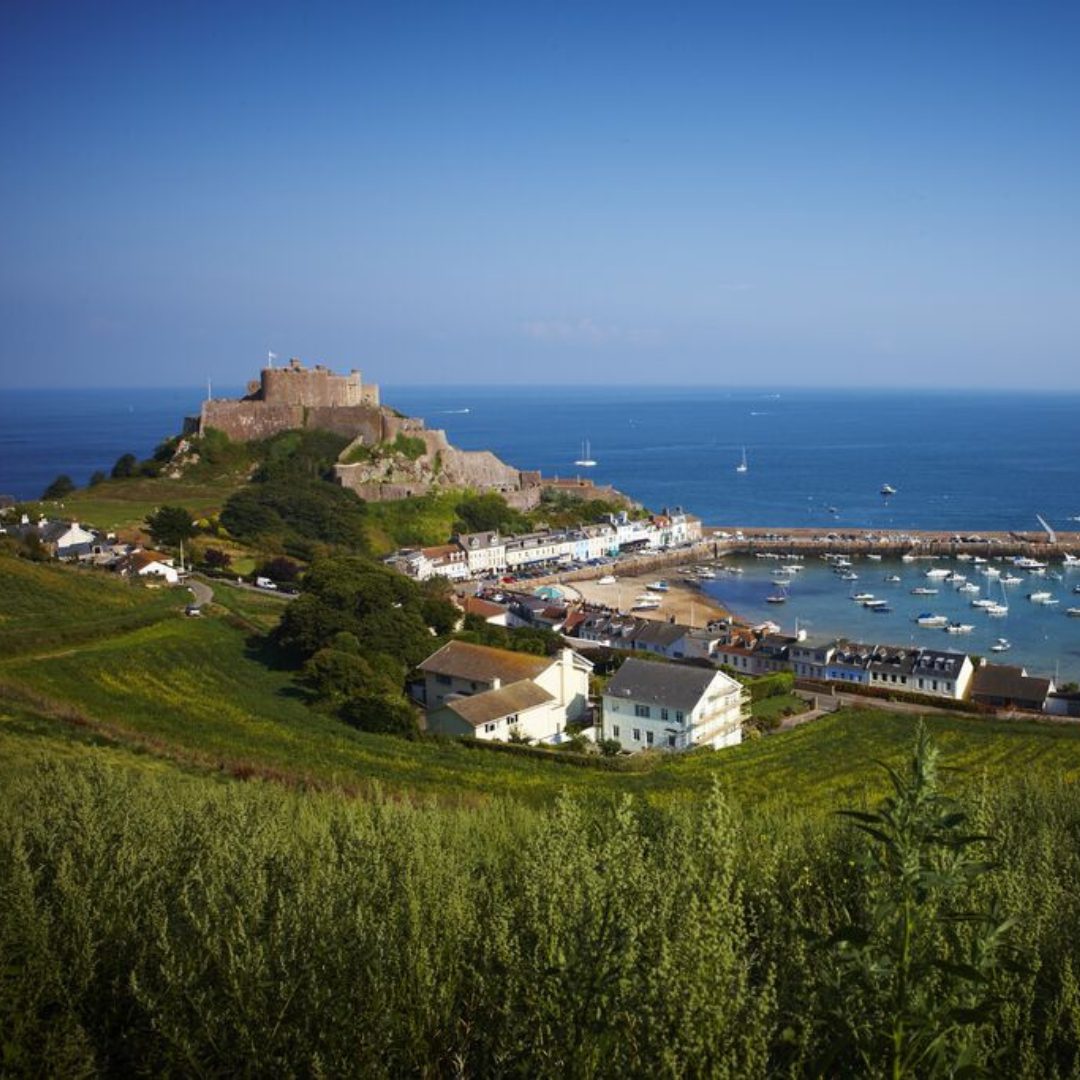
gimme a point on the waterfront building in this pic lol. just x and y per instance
(1004, 686)
(661, 638)
(849, 663)
(536, 549)
(810, 659)
(485, 552)
(672, 707)
(943, 673)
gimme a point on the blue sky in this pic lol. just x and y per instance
(765, 194)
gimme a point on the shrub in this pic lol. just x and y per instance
(170, 525)
(126, 465)
(383, 713)
(216, 559)
(61, 486)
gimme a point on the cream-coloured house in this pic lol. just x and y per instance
(491, 693)
(657, 706)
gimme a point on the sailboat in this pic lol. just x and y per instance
(585, 461)
(742, 466)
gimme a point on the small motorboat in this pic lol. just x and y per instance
(1001, 645)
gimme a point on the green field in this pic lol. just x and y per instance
(452, 913)
(85, 651)
(123, 505)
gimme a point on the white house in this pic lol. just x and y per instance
(493, 693)
(151, 564)
(444, 560)
(942, 673)
(650, 705)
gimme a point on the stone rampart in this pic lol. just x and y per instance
(247, 421)
(316, 387)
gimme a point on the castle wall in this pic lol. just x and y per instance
(247, 421)
(316, 388)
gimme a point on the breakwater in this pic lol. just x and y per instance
(733, 540)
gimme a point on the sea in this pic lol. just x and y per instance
(961, 461)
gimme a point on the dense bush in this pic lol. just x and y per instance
(488, 512)
(126, 465)
(175, 926)
(63, 485)
(767, 686)
(171, 525)
(385, 612)
(314, 511)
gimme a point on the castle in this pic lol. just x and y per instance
(292, 397)
(296, 397)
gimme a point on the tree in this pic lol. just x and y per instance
(98, 477)
(170, 525)
(216, 559)
(280, 569)
(487, 512)
(126, 465)
(910, 978)
(61, 486)
(381, 713)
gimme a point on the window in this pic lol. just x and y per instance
(663, 714)
(678, 717)
(614, 731)
(637, 734)
(648, 737)
(671, 740)
(443, 680)
(642, 710)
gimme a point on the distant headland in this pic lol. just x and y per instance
(390, 455)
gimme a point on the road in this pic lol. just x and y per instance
(201, 591)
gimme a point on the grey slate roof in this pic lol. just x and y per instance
(654, 632)
(495, 704)
(674, 685)
(1003, 681)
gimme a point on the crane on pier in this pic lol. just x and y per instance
(1049, 532)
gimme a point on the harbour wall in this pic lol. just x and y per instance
(784, 542)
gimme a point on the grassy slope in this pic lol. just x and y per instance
(124, 504)
(199, 693)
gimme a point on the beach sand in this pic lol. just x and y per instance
(686, 603)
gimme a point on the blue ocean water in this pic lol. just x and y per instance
(960, 461)
(963, 461)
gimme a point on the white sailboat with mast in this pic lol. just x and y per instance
(586, 460)
(742, 466)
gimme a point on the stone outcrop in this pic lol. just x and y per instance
(372, 465)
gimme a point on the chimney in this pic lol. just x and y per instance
(496, 683)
